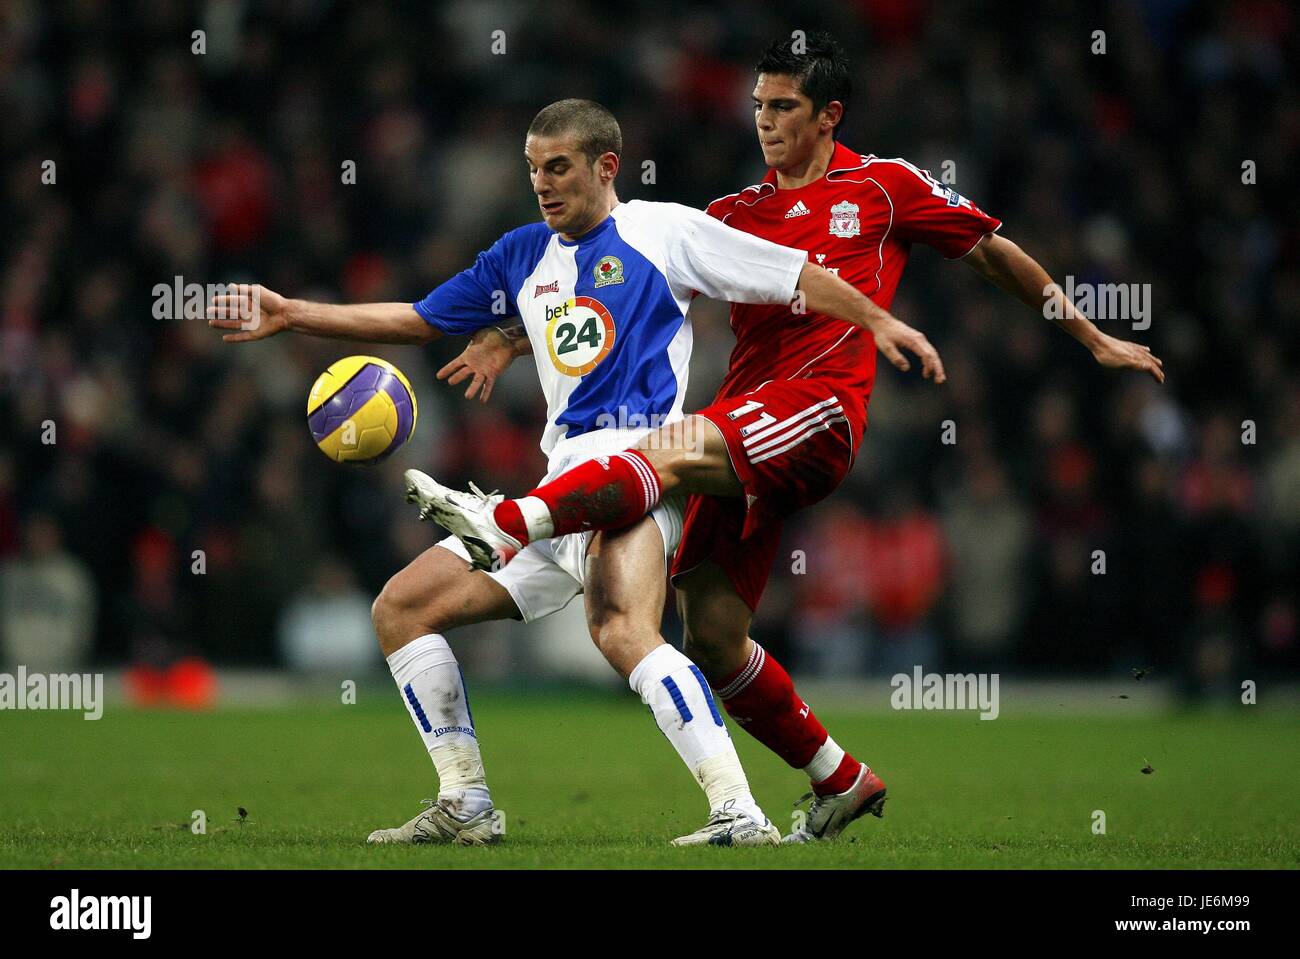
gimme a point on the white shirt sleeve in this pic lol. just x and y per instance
(706, 255)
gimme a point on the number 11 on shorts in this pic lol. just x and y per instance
(758, 424)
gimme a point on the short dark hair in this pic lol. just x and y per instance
(821, 70)
(596, 128)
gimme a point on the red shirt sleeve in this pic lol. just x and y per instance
(720, 207)
(927, 211)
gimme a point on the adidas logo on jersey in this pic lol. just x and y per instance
(797, 210)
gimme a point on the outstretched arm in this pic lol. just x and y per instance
(824, 292)
(254, 313)
(1011, 269)
(490, 352)
(724, 263)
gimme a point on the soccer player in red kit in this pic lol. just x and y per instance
(788, 420)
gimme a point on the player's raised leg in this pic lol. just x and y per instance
(608, 492)
(760, 696)
(434, 594)
(624, 593)
(602, 493)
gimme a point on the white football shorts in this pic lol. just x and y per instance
(545, 576)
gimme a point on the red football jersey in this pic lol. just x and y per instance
(860, 221)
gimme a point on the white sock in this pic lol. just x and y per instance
(433, 689)
(825, 761)
(682, 704)
(537, 518)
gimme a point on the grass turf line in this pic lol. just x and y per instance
(587, 781)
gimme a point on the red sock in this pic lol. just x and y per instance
(607, 492)
(760, 696)
(840, 780)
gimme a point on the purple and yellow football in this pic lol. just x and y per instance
(361, 410)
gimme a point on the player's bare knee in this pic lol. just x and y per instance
(401, 613)
(389, 615)
(610, 633)
(623, 640)
(713, 644)
(382, 612)
(668, 464)
(676, 452)
(692, 454)
(704, 653)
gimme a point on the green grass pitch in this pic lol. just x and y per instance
(586, 781)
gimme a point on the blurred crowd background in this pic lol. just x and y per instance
(1122, 167)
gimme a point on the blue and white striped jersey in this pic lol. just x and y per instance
(606, 314)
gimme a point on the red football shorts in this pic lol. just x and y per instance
(791, 443)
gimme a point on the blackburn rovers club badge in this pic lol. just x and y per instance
(844, 219)
(608, 271)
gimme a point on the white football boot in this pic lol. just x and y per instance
(467, 516)
(436, 824)
(727, 827)
(829, 815)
